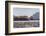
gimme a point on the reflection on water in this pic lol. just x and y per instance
(24, 24)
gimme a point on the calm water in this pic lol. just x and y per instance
(24, 24)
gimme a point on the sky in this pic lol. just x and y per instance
(25, 11)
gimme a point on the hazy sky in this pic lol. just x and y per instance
(25, 11)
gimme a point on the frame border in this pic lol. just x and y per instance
(6, 18)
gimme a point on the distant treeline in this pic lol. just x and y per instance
(21, 18)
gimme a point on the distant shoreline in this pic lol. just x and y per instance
(28, 21)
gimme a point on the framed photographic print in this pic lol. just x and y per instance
(24, 17)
